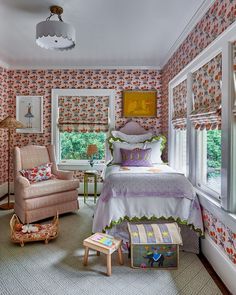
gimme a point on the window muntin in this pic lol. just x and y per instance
(73, 145)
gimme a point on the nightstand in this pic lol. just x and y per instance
(90, 174)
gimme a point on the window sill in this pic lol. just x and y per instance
(81, 167)
(213, 205)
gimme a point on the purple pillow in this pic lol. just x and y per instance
(136, 157)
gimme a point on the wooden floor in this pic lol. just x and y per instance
(213, 274)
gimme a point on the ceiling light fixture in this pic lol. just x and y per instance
(55, 34)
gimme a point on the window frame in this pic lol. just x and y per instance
(201, 149)
(56, 93)
(222, 44)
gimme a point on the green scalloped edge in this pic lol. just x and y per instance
(112, 139)
(153, 218)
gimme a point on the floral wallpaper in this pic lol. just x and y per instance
(180, 105)
(3, 133)
(220, 234)
(41, 82)
(219, 16)
(207, 95)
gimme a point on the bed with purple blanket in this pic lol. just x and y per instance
(148, 194)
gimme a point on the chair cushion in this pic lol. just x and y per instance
(38, 173)
(48, 187)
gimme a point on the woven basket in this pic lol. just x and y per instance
(45, 233)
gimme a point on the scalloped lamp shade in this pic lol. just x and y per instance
(55, 35)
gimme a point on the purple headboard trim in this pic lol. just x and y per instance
(133, 128)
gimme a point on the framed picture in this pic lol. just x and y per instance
(29, 111)
(142, 103)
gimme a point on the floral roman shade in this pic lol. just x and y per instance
(83, 113)
(207, 95)
(180, 105)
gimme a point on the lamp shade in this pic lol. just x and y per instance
(11, 123)
(92, 149)
(55, 35)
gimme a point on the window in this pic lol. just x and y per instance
(73, 145)
(81, 117)
(209, 161)
(211, 121)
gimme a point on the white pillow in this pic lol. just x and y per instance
(132, 138)
(156, 150)
(117, 159)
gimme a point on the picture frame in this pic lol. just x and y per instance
(29, 111)
(140, 104)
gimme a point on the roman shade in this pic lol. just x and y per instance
(207, 95)
(180, 105)
(83, 113)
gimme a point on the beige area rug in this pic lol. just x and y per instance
(57, 268)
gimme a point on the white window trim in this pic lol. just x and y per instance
(228, 172)
(79, 164)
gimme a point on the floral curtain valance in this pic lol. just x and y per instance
(180, 105)
(83, 113)
(207, 95)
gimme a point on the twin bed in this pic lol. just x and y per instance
(153, 193)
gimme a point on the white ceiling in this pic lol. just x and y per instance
(109, 33)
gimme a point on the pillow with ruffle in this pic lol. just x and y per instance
(132, 138)
(39, 173)
(136, 157)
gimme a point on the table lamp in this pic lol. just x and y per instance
(10, 124)
(91, 151)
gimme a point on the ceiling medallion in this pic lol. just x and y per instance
(55, 34)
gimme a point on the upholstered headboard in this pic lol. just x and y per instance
(134, 128)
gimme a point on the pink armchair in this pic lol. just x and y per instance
(36, 201)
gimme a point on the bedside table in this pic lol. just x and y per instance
(90, 174)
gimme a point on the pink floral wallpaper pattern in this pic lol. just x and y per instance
(41, 82)
(220, 234)
(218, 18)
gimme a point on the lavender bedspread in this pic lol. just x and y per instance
(159, 181)
(150, 192)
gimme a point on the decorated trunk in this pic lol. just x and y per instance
(154, 245)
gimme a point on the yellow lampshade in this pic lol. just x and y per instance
(92, 149)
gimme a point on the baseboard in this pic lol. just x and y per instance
(222, 265)
(3, 189)
(90, 188)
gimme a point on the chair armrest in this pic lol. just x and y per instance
(66, 175)
(22, 181)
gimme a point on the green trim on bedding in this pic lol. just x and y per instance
(153, 218)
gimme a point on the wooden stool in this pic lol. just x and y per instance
(89, 243)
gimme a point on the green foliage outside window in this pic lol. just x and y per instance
(74, 145)
(213, 153)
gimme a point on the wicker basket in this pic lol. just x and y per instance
(45, 233)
